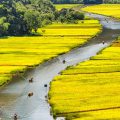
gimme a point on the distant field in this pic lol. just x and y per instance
(105, 9)
(20, 53)
(60, 6)
(91, 85)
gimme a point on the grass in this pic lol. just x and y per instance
(93, 84)
(61, 6)
(112, 10)
(20, 53)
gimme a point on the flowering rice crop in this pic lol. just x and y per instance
(112, 10)
(19, 53)
(90, 90)
(60, 6)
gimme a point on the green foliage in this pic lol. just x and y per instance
(112, 1)
(77, 15)
(3, 26)
(81, 1)
(20, 17)
(43, 6)
(33, 19)
(69, 16)
(67, 1)
(23, 16)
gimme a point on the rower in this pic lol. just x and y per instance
(45, 85)
(64, 61)
(103, 42)
(15, 117)
(30, 94)
(31, 80)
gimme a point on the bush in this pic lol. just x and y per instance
(68, 15)
(78, 16)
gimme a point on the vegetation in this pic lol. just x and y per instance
(22, 17)
(61, 6)
(67, 1)
(68, 16)
(105, 9)
(81, 1)
(91, 85)
(17, 53)
(112, 1)
(18, 17)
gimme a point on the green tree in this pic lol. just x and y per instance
(33, 20)
(23, 16)
(69, 16)
(77, 15)
(3, 26)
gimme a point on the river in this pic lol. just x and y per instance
(14, 97)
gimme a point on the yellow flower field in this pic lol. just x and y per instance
(19, 53)
(60, 6)
(90, 86)
(112, 10)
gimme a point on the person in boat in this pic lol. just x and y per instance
(15, 117)
(30, 94)
(103, 42)
(106, 20)
(46, 98)
(31, 80)
(45, 85)
(64, 61)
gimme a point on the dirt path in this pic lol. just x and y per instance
(14, 97)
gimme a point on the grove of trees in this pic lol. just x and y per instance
(80, 1)
(68, 16)
(18, 17)
(67, 1)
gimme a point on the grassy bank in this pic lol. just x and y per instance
(112, 10)
(89, 91)
(17, 54)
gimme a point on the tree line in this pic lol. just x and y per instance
(80, 1)
(20, 17)
(67, 1)
(68, 16)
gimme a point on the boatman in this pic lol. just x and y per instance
(30, 94)
(64, 61)
(15, 117)
(103, 42)
(31, 80)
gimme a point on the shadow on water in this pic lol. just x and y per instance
(15, 98)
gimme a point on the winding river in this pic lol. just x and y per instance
(14, 97)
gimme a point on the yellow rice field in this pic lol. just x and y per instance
(60, 6)
(112, 10)
(20, 53)
(91, 85)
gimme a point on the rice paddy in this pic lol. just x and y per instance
(112, 10)
(90, 90)
(17, 54)
(60, 6)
